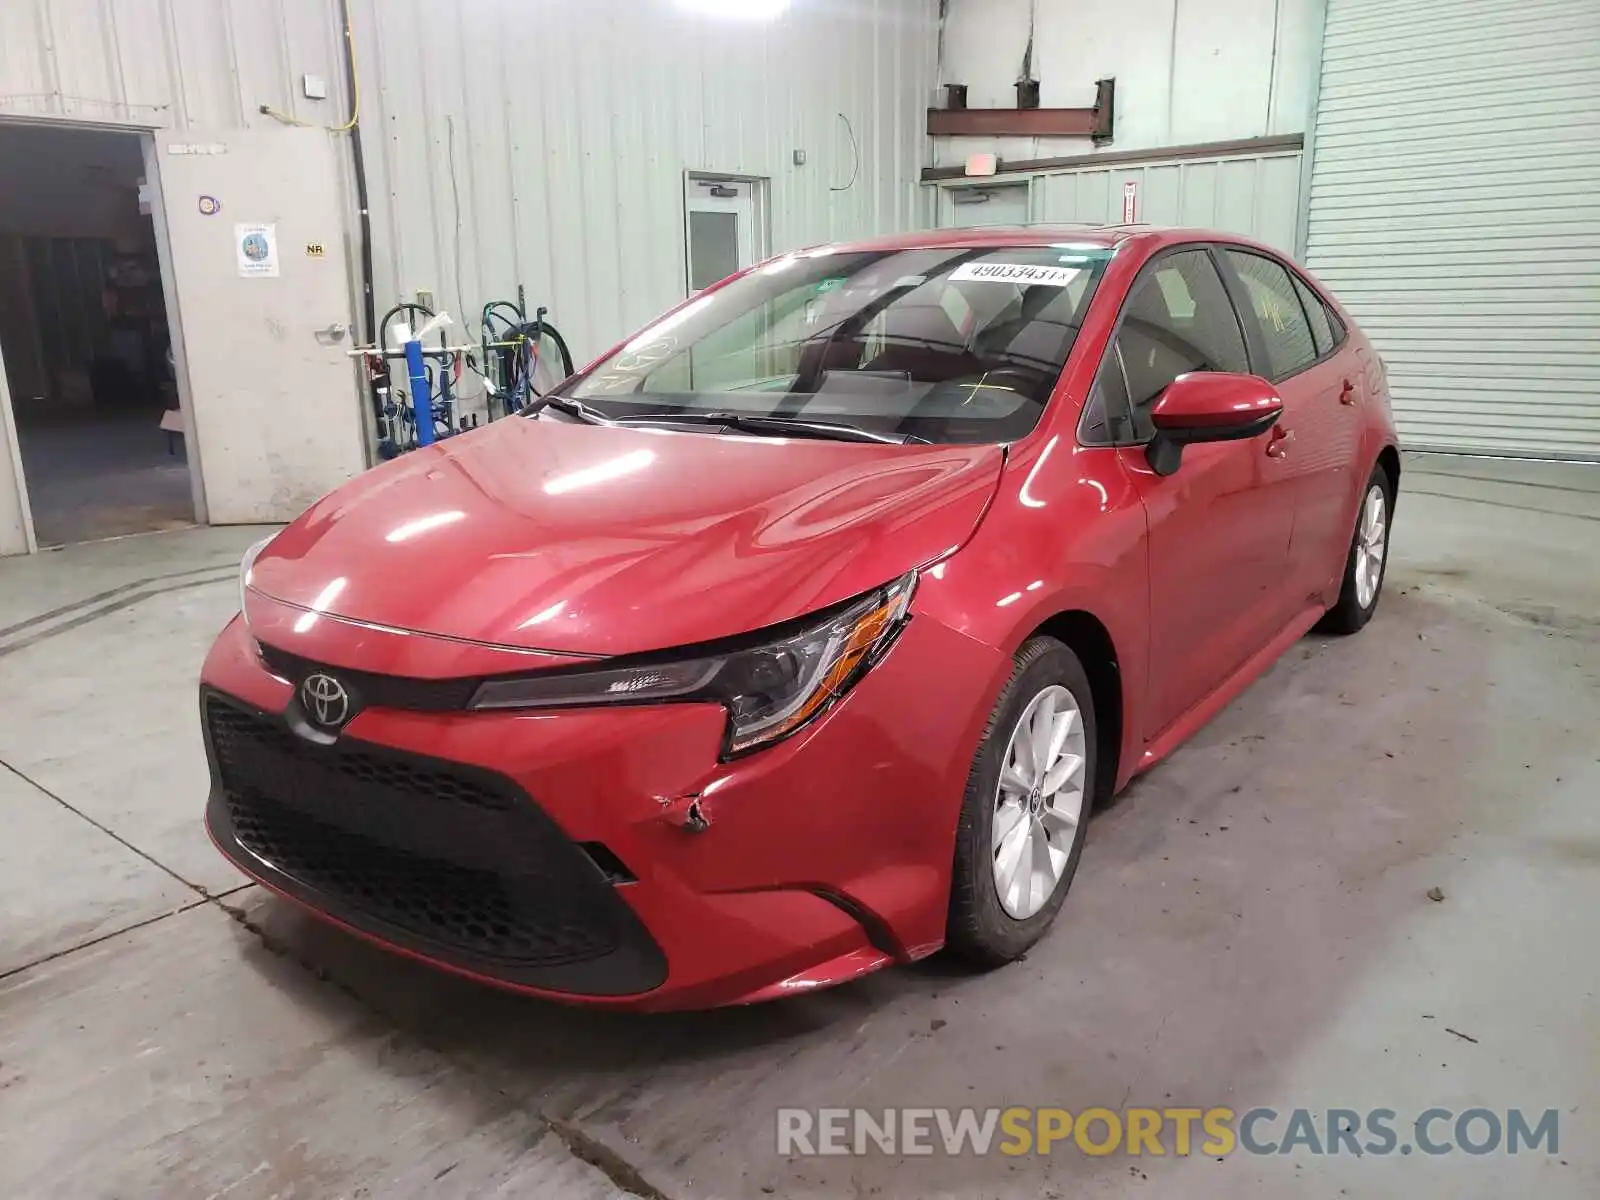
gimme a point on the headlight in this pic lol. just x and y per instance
(770, 690)
(245, 566)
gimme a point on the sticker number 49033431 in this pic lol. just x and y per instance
(1021, 273)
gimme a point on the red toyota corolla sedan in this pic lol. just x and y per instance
(800, 634)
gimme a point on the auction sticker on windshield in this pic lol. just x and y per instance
(993, 272)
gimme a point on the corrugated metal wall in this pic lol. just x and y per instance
(164, 63)
(1455, 208)
(546, 144)
(1254, 194)
(1257, 195)
(519, 141)
(537, 143)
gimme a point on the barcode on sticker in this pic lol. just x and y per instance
(1023, 273)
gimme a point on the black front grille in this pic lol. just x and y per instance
(378, 691)
(452, 861)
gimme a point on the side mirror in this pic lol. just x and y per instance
(1209, 406)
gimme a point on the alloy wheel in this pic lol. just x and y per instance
(1372, 543)
(1038, 801)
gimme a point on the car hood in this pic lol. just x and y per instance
(600, 540)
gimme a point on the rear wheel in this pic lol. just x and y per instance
(1368, 559)
(1026, 807)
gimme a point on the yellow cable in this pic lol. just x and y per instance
(285, 118)
(355, 84)
(355, 97)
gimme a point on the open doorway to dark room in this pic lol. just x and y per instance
(83, 333)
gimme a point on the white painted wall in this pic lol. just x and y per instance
(1187, 71)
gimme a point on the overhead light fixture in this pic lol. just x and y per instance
(748, 10)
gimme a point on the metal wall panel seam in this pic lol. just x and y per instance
(110, 43)
(175, 72)
(231, 45)
(47, 51)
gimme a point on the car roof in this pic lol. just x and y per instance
(1002, 236)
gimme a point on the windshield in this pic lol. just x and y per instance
(940, 345)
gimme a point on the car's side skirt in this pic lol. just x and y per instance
(1190, 723)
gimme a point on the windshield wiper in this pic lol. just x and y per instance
(566, 404)
(759, 423)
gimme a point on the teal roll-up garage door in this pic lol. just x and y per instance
(1455, 208)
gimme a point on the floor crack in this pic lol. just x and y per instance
(105, 829)
(1144, 1062)
(583, 1146)
(280, 948)
(604, 1159)
(102, 937)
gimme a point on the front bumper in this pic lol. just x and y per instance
(605, 855)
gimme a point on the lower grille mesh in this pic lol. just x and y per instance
(447, 904)
(460, 862)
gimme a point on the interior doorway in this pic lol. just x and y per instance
(84, 336)
(725, 227)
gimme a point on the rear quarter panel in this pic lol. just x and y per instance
(1377, 428)
(1363, 360)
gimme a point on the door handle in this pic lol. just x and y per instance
(333, 333)
(1347, 394)
(1278, 441)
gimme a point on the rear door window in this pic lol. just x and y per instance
(1285, 332)
(1317, 314)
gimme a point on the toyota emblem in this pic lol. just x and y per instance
(325, 700)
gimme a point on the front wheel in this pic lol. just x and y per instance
(1367, 562)
(1026, 808)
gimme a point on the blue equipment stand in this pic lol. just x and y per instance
(421, 393)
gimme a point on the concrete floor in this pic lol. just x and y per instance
(1251, 926)
(94, 474)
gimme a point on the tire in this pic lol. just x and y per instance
(984, 928)
(1349, 614)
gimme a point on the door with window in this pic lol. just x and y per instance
(1296, 343)
(1219, 527)
(723, 232)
